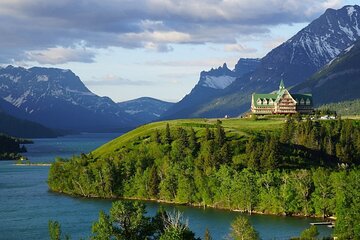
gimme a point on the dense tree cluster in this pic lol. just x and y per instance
(10, 147)
(343, 108)
(128, 221)
(308, 168)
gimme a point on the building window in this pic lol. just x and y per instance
(307, 101)
(258, 101)
(265, 101)
(302, 102)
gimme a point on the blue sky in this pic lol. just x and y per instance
(127, 49)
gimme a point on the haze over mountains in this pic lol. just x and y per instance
(145, 109)
(57, 99)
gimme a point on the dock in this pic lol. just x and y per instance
(329, 224)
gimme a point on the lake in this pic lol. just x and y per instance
(26, 204)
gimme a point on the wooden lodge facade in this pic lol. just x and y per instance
(281, 102)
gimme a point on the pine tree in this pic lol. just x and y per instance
(193, 143)
(208, 134)
(168, 138)
(154, 182)
(157, 136)
(220, 137)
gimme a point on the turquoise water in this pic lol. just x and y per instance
(26, 205)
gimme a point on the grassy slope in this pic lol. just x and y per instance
(238, 127)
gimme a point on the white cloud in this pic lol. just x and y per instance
(114, 80)
(59, 55)
(237, 47)
(53, 27)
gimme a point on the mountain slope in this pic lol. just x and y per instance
(337, 81)
(293, 61)
(145, 109)
(211, 84)
(58, 99)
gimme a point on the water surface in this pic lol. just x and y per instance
(26, 204)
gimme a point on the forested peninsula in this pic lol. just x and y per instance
(11, 148)
(289, 166)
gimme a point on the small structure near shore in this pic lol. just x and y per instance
(329, 224)
(281, 102)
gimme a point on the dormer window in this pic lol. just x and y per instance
(258, 101)
(271, 102)
(308, 102)
(302, 102)
(265, 101)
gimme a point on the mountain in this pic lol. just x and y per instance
(145, 109)
(18, 127)
(57, 98)
(211, 84)
(293, 61)
(338, 81)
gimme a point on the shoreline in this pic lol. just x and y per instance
(254, 212)
(33, 164)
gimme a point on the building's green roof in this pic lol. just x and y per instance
(276, 96)
(305, 96)
(267, 96)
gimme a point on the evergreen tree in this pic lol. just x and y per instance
(182, 137)
(168, 138)
(157, 136)
(193, 143)
(154, 182)
(208, 134)
(220, 137)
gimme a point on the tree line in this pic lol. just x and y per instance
(307, 168)
(10, 147)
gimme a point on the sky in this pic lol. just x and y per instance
(125, 49)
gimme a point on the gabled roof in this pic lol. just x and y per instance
(256, 96)
(305, 96)
(278, 94)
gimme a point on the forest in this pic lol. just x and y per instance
(304, 167)
(10, 147)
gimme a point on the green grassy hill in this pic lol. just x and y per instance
(234, 128)
(267, 165)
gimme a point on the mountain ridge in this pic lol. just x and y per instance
(293, 61)
(145, 109)
(338, 81)
(57, 98)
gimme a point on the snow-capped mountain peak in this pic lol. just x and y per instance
(51, 93)
(219, 82)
